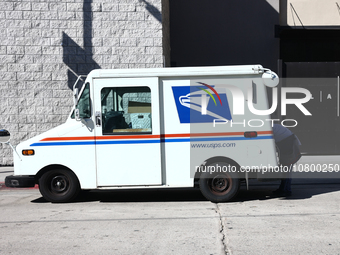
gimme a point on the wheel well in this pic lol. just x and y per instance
(48, 168)
(212, 160)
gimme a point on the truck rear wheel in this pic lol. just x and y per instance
(59, 186)
(219, 186)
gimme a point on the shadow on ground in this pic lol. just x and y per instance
(150, 195)
(301, 190)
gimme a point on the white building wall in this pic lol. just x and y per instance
(43, 44)
(309, 13)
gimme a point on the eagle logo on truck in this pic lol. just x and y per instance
(197, 104)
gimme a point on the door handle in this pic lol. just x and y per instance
(98, 119)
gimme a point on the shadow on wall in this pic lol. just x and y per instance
(223, 33)
(152, 10)
(80, 60)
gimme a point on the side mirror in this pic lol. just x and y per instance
(4, 136)
(77, 114)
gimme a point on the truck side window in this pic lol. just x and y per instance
(126, 110)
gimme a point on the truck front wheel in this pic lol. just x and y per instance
(219, 186)
(59, 186)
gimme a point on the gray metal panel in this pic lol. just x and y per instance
(319, 133)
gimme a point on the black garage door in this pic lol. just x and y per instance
(319, 133)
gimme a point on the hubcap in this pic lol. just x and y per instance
(220, 184)
(59, 184)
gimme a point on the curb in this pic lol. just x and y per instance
(3, 187)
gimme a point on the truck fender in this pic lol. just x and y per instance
(51, 167)
(218, 159)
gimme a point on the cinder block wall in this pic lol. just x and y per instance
(45, 44)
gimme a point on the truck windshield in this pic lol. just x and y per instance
(84, 103)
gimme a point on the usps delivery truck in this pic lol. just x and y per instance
(155, 128)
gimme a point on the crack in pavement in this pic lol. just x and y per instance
(222, 231)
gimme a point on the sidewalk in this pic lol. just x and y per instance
(5, 171)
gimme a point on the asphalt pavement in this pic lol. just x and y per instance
(176, 221)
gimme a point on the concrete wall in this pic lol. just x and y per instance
(43, 44)
(309, 13)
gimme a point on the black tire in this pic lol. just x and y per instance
(59, 186)
(219, 186)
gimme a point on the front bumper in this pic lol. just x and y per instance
(20, 181)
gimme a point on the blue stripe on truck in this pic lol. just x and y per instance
(150, 141)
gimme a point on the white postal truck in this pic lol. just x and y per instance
(154, 128)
